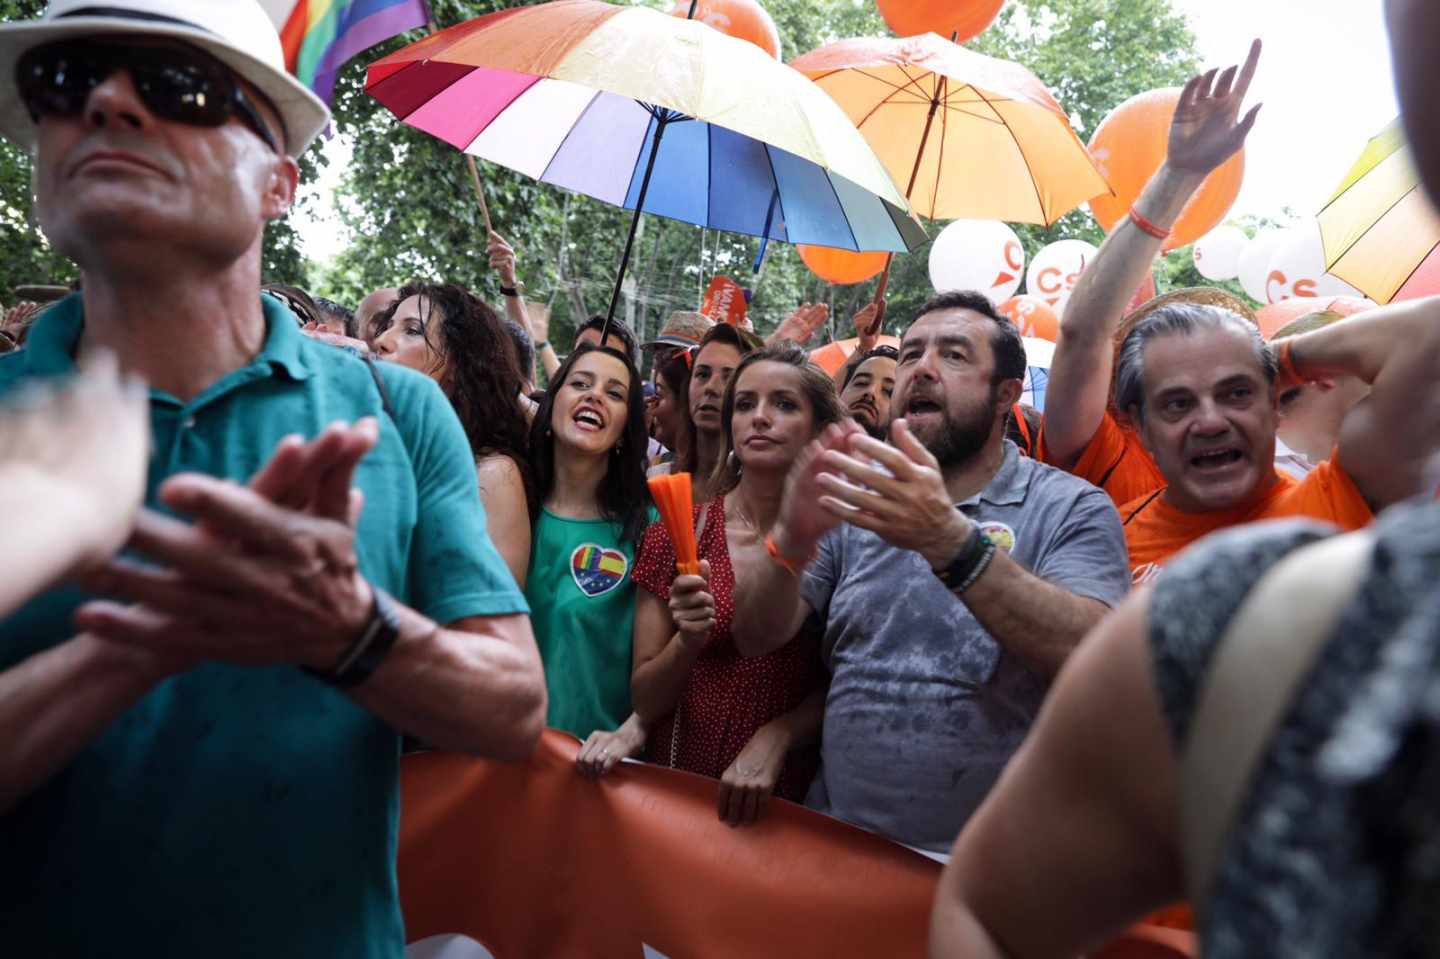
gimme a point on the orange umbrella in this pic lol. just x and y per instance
(971, 135)
(1277, 315)
(832, 356)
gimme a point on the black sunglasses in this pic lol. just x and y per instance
(175, 83)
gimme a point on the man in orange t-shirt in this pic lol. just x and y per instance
(1197, 386)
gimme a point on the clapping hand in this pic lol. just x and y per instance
(267, 573)
(896, 491)
(86, 443)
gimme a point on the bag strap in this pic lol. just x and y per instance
(1265, 652)
(379, 385)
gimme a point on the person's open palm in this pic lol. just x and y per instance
(89, 442)
(1206, 130)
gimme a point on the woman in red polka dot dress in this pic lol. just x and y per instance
(753, 723)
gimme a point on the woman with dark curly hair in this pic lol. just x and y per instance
(449, 334)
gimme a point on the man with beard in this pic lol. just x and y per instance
(867, 388)
(953, 576)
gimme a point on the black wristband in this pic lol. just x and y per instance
(965, 563)
(509, 291)
(367, 653)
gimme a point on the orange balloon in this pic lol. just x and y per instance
(1271, 318)
(841, 266)
(1131, 143)
(1032, 316)
(742, 19)
(966, 18)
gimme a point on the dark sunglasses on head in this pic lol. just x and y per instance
(176, 83)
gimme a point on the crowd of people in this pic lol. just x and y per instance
(268, 541)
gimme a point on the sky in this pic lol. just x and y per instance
(1324, 80)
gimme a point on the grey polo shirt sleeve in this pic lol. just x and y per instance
(821, 576)
(454, 570)
(1087, 553)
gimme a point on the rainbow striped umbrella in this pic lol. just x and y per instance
(652, 113)
(1381, 233)
(320, 35)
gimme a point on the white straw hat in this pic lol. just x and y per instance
(238, 33)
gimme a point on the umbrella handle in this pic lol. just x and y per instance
(661, 119)
(479, 193)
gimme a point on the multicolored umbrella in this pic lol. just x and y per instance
(652, 113)
(971, 135)
(1381, 233)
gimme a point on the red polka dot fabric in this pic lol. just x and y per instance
(728, 696)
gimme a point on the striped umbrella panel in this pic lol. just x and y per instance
(597, 143)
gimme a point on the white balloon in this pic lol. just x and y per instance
(1217, 253)
(983, 255)
(1255, 262)
(1297, 267)
(1055, 269)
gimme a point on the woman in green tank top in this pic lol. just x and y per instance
(591, 508)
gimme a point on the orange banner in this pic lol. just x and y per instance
(533, 860)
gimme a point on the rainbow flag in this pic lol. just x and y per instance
(319, 36)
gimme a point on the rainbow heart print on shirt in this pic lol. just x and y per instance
(597, 570)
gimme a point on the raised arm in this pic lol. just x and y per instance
(867, 335)
(1204, 134)
(1389, 438)
(1078, 839)
(897, 492)
(502, 261)
(769, 608)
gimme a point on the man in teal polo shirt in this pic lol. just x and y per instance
(201, 746)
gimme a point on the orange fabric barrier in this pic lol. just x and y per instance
(532, 860)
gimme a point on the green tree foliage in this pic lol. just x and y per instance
(408, 202)
(407, 205)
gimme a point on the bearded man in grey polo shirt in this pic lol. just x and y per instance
(954, 577)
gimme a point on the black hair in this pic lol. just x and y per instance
(1005, 343)
(624, 495)
(481, 378)
(343, 313)
(524, 348)
(676, 373)
(744, 343)
(618, 328)
(883, 352)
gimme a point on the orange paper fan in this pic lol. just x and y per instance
(673, 498)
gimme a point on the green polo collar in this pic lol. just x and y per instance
(54, 339)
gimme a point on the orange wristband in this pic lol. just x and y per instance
(792, 566)
(1288, 375)
(1146, 226)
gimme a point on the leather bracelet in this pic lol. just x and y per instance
(985, 558)
(964, 564)
(794, 567)
(366, 654)
(1158, 232)
(542, 347)
(509, 291)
